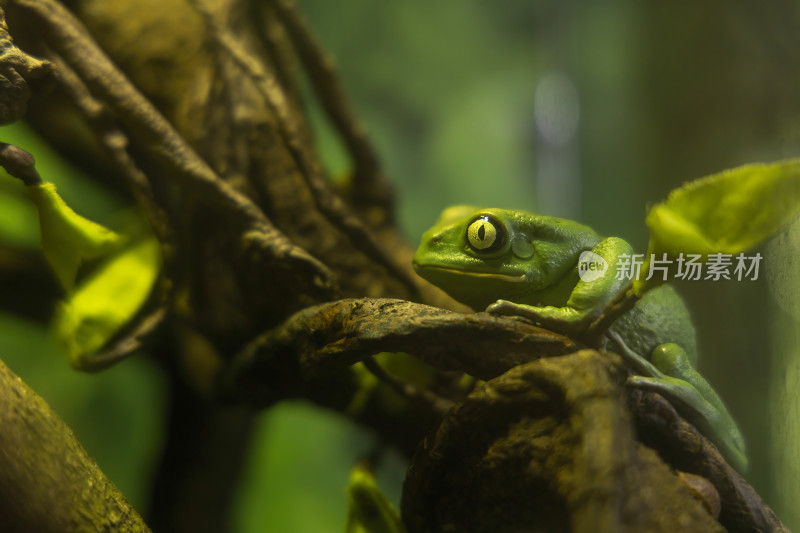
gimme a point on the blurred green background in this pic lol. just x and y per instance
(586, 110)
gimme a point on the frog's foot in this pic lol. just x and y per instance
(506, 308)
(561, 319)
(675, 379)
(717, 425)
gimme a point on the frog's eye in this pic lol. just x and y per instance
(485, 234)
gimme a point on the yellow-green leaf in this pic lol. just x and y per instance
(68, 239)
(727, 212)
(369, 511)
(106, 300)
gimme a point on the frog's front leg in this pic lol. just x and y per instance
(587, 297)
(673, 376)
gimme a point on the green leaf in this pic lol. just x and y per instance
(106, 300)
(727, 213)
(68, 239)
(369, 509)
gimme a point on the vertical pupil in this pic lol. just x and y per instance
(484, 235)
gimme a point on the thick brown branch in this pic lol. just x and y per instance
(677, 441)
(319, 342)
(547, 446)
(47, 482)
(330, 337)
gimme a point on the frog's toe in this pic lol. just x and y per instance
(677, 391)
(502, 307)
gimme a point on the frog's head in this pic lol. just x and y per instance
(479, 255)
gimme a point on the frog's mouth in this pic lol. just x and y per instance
(472, 274)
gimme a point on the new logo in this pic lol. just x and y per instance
(591, 266)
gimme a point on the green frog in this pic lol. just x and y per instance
(561, 274)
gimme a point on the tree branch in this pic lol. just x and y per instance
(660, 426)
(371, 188)
(530, 371)
(47, 482)
(330, 337)
(549, 445)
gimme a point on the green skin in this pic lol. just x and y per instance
(517, 263)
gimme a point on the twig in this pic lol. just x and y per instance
(116, 143)
(371, 188)
(407, 390)
(279, 51)
(129, 344)
(19, 164)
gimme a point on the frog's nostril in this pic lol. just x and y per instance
(436, 239)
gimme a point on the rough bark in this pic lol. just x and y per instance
(47, 482)
(549, 445)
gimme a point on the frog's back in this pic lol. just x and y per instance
(660, 316)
